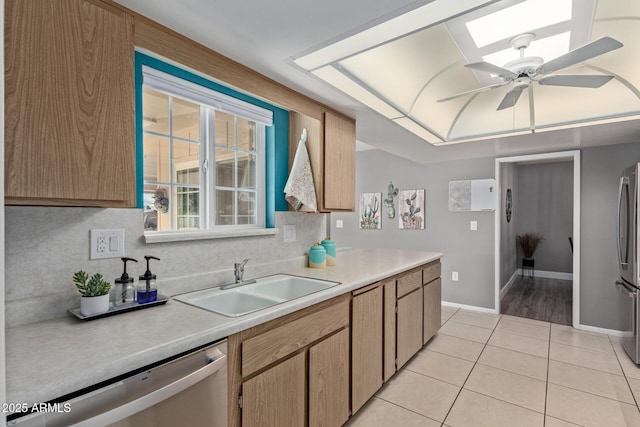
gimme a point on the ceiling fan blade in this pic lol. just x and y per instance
(511, 97)
(469, 92)
(575, 81)
(488, 67)
(588, 51)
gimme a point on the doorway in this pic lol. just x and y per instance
(508, 266)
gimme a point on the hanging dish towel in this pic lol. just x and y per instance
(299, 189)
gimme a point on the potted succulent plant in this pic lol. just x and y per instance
(94, 291)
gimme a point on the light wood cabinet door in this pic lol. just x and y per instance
(389, 358)
(329, 381)
(69, 104)
(366, 346)
(432, 309)
(339, 163)
(277, 396)
(409, 326)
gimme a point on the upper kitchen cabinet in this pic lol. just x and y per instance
(69, 106)
(339, 163)
(332, 151)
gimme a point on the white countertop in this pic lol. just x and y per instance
(50, 359)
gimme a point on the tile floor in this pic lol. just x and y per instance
(499, 370)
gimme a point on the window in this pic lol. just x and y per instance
(203, 156)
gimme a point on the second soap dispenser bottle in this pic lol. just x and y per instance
(147, 290)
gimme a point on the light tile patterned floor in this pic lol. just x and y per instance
(498, 370)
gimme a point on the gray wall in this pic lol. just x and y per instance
(600, 303)
(470, 253)
(45, 246)
(545, 206)
(508, 259)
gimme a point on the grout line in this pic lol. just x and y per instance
(407, 409)
(546, 385)
(623, 372)
(471, 370)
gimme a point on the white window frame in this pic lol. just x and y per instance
(212, 100)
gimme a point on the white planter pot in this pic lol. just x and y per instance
(90, 306)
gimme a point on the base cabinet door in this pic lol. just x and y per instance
(389, 342)
(409, 326)
(276, 397)
(329, 381)
(366, 346)
(432, 309)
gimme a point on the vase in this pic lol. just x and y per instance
(528, 265)
(90, 306)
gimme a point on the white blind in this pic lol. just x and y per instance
(173, 85)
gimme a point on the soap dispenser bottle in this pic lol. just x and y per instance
(125, 292)
(147, 290)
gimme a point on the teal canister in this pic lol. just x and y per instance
(330, 247)
(317, 256)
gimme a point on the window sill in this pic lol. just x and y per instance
(160, 237)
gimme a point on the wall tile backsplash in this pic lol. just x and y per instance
(46, 245)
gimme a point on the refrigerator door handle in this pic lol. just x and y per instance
(624, 289)
(624, 263)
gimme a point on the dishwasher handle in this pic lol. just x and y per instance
(156, 396)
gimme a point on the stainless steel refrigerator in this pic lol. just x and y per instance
(628, 237)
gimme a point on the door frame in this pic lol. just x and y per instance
(573, 156)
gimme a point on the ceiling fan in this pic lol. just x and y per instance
(526, 69)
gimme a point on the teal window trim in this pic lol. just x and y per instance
(277, 136)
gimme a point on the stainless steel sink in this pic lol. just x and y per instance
(265, 292)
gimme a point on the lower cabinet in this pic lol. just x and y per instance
(366, 344)
(329, 381)
(294, 370)
(432, 291)
(432, 309)
(319, 365)
(409, 326)
(276, 397)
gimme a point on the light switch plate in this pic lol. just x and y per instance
(106, 243)
(474, 226)
(339, 223)
(289, 233)
(454, 276)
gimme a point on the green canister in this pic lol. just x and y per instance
(330, 247)
(317, 256)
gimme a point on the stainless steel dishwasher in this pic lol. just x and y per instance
(190, 390)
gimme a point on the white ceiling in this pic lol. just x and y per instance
(268, 36)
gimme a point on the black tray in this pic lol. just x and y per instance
(113, 310)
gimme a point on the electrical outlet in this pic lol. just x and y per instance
(454, 276)
(473, 226)
(106, 244)
(339, 223)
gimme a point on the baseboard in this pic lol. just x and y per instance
(470, 307)
(506, 287)
(612, 332)
(548, 274)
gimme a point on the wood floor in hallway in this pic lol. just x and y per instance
(549, 300)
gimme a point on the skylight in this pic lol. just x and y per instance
(521, 18)
(547, 48)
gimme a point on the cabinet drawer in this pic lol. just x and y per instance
(430, 272)
(265, 349)
(409, 282)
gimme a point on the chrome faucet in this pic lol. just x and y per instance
(238, 271)
(238, 268)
